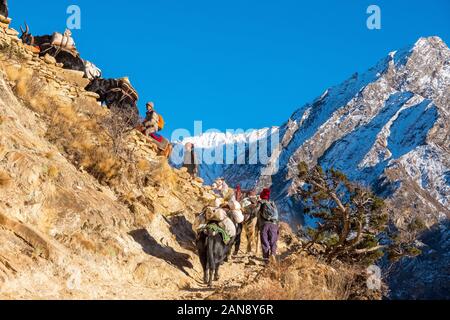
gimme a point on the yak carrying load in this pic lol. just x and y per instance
(62, 47)
(118, 95)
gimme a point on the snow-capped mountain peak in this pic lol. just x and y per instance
(387, 128)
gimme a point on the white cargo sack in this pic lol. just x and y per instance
(234, 205)
(246, 203)
(63, 40)
(218, 202)
(237, 216)
(215, 214)
(91, 71)
(229, 227)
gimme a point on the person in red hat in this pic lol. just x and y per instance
(238, 193)
(268, 222)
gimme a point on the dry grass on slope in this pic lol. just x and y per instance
(71, 127)
(75, 124)
(303, 277)
(297, 278)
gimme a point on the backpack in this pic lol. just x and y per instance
(161, 122)
(269, 211)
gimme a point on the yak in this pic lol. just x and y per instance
(116, 97)
(70, 60)
(4, 8)
(213, 252)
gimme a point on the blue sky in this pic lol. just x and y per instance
(235, 63)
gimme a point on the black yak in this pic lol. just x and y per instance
(70, 59)
(213, 252)
(117, 95)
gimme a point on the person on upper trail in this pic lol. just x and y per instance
(153, 121)
(190, 160)
(4, 8)
(268, 224)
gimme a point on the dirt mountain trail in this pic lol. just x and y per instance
(239, 271)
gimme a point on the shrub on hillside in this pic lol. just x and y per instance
(350, 218)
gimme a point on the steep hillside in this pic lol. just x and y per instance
(75, 221)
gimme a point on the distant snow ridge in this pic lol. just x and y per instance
(215, 139)
(230, 151)
(387, 128)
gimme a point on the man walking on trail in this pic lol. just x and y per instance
(190, 160)
(268, 223)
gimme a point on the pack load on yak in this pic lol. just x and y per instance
(152, 124)
(117, 95)
(91, 71)
(64, 41)
(218, 228)
(4, 11)
(216, 214)
(226, 215)
(60, 46)
(221, 188)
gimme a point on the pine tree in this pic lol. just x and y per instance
(351, 219)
